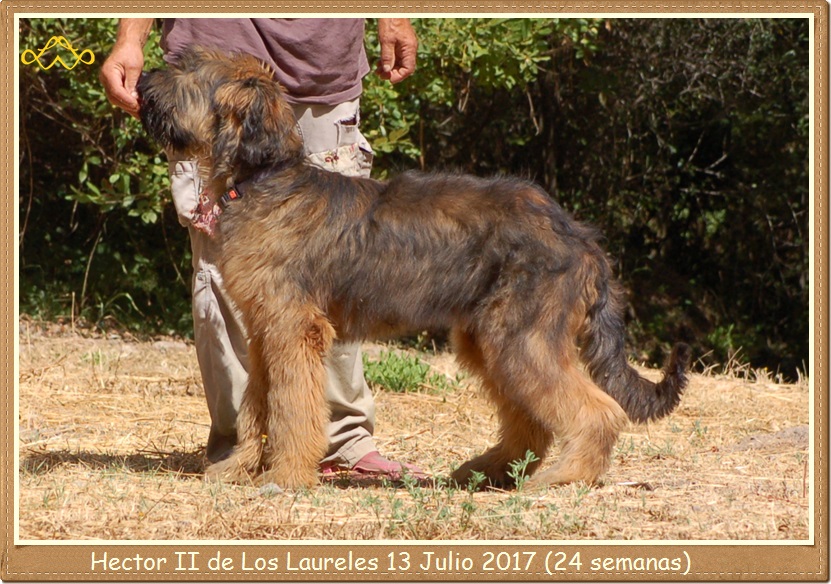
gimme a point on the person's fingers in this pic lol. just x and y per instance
(119, 75)
(115, 86)
(387, 62)
(399, 49)
(131, 77)
(405, 65)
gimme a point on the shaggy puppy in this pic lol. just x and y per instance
(309, 256)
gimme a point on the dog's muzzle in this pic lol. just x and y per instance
(141, 85)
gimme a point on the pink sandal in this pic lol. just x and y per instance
(374, 465)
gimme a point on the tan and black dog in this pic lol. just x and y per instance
(309, 256)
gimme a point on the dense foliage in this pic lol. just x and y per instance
(684, 140)
(97, 241)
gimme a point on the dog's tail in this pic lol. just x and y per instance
(602, 350)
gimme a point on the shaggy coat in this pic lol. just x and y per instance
(309, 256)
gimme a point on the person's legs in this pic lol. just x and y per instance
(219, 336)
(221, 347)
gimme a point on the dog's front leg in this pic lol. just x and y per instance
(297, 413)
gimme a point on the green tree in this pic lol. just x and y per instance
(478, 69)
(684, 140)
(93, 190)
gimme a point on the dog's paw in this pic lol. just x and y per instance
(477, 475)
(559, 475)
(291, 479)
(228, 471)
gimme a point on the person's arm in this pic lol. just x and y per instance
(120, 72)
(399, 48)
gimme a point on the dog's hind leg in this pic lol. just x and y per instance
(295, 342)
(588, 421)
(540, 392)
(518, 434)
(519, 431)
(541, 365)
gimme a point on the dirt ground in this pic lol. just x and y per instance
(112, 434)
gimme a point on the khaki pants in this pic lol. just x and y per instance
(333, 142)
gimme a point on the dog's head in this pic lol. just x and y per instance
(224, 109)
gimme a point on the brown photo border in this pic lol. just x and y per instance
(721, 561)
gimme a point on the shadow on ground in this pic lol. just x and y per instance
(178, 462)
(186, 464)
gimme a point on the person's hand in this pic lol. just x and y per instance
(399, 47)
(119, 76)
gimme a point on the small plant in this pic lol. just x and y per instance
(396, 372)
(699, 431)
(660, 452)
(519, 469)
(475, 480)
(400, 372)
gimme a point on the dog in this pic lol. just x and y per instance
(310, 256)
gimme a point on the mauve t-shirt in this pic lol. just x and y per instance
(317, 60)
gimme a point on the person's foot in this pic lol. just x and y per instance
(375, 465)
(220, 446)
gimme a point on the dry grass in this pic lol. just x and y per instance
(112, 431)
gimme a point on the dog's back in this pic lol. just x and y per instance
(432, 251)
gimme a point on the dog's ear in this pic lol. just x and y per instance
(255, 128)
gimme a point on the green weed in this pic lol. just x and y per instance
(400, 372)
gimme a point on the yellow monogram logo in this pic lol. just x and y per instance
(28, 57)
